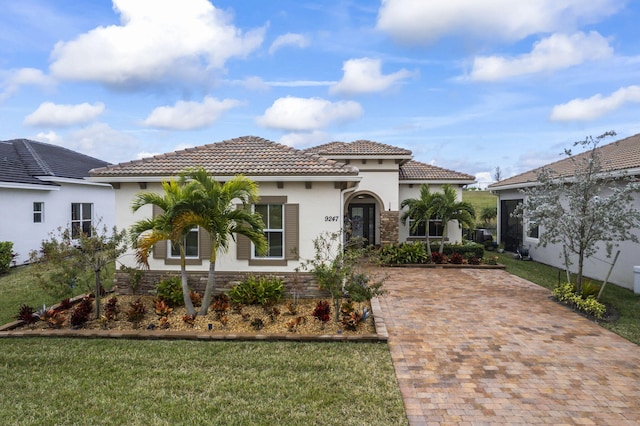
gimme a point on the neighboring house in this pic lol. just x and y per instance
(42, 187)
(622, 156)
(305, 192)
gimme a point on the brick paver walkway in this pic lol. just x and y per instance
(486, 347)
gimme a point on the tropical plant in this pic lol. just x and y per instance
(6, 256)
(257, 290)
(420, 211)
(63, 259)
(447, 207)
(213, 209)
(170, 290)
(583, 210)
(169, 225)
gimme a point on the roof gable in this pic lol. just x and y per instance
(616, 156)
(23, 160)
(248, 155)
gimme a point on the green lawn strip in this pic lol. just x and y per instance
(114, 382)
(480, 199)
(19, 286)
(623, 300)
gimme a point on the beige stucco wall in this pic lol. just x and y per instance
(319, 211)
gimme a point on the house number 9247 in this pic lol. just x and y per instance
(331, 218)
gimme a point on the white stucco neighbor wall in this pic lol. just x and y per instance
(319, 210)
(16, 212)
(407, 191)
(596, 267)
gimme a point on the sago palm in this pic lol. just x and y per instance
(214, 209)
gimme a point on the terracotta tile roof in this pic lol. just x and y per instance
(616, 156)
(23, 160)
(359, 147)
(248, 155)
(415, 170)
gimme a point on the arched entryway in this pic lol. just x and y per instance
(363, 218)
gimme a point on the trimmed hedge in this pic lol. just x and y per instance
(416, 252)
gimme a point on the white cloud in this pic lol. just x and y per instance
(423, 22)
(157, 39)
(555, 52)
(307, 114)
(55, 115)
(187, 115)
(289, 39)
(595, 106)
(49, 137)
(364, 75)
(304, 140)
(12, 80)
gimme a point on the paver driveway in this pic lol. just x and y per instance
(486, 347)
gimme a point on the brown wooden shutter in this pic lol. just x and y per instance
(204, 248)
(243, 244)
(291, 231)
(160, 248)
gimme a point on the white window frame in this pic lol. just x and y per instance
(267, 230)
(170, 254)
(38, 211)
(427, 228)
(81, 221)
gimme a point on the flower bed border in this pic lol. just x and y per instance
(443, 265)
(381, 335)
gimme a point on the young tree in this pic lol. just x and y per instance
(68, 257)
(447, 207)
(420, 212)
(584, 207)
(213, 209)
(497, 174)
(169, 225)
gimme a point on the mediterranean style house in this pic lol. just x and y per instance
(622, 157)
(302, 192)
(42, 188)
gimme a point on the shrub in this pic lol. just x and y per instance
(474, 260)
(136, 311)
(565, 293)
(402, 254)
(170, 289)
(161, 307)
(360, 287)
(6, 256)
(322, 311)
(257, 290)
(65, 304)
(438, 257)
(456, 259)
(220, 304)
(196, 298)
(82, 312)
(27, 314)
(111, 309)
(466, 249)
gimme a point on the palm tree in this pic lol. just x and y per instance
(213, 210)
(448, 208)
(420, 211)
(170, 225)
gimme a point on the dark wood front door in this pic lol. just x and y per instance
(362, 219)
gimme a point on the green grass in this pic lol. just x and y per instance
(625, 302)
(480, 199)
(114, 382)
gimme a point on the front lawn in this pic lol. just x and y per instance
(626, 303)
(115, 382)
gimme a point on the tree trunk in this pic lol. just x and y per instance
(185, 283)
(98, 285)
(211, 281)
(579, 278)
(428, 243)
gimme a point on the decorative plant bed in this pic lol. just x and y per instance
(445, 265)
(281, 321)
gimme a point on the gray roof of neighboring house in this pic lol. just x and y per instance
(248, 155)
(415, 170)
(359, 147)
(23, 160)
(616, 156)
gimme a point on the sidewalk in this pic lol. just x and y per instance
(486, 347)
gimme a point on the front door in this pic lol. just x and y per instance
(510, 226)
(362, 222)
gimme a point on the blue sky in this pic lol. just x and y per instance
(466, 85)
